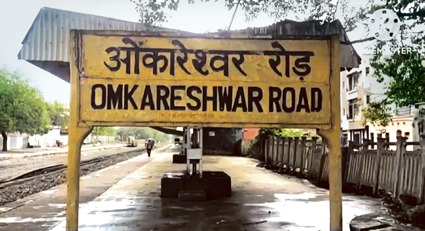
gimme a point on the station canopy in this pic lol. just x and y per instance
(47, 42)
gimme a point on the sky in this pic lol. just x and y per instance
(17, 16)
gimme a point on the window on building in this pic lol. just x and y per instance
(407, 134)
(368, 99)
(353, 108)
(356, 138)
(353, 81)
(367, 70)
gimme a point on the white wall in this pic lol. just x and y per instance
(20, 141)
(15, 141)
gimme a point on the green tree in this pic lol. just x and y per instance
(137, 132)
(59, 114)
(407, 77)
(143, 133)
(350, 13)
(376, 113)
(22, 107)
(289, 132)
(103, 131)
(265, 133)
(154, 13)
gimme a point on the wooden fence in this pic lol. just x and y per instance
(374, 165)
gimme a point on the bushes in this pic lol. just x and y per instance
(265, 133)
(404, 209)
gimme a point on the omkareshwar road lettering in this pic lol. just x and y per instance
(219, 60)
(203, 98)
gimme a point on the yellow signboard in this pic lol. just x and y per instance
(133, 78)
(173, 81)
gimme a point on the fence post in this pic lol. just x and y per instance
(303, 147)
(379, 150)
(422, 172)
(276, 162)
(350, 163)
(363, 157)
(266, 150)
(272, 153)
(284, 164)
(322, 161)
(262, 146)
(282, 149)
(296, 140)
(398, 164)
(313, 148)
(290, 166)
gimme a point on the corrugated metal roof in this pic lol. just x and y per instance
(46, 44)
(348, 58)
(48, 37)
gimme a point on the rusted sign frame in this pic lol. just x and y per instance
(78, 130)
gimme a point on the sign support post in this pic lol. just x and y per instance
(332, 139)
(76, 136)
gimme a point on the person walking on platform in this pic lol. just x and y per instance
(149, 145)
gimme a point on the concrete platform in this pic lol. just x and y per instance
(261, 200)
(43, 210)
(127, 196)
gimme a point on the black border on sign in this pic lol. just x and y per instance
(187, 35)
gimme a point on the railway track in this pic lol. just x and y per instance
(46, 177)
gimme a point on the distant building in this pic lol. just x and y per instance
(358, 89)
(250, 133)
(248, 137)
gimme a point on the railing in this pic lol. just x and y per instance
(399, 171)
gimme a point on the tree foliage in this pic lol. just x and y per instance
(407, 85)
(377, 114)
(154, 12)
(265, 133)
(104, 131)
(59, 114)
(143, 133)
(22, 107)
